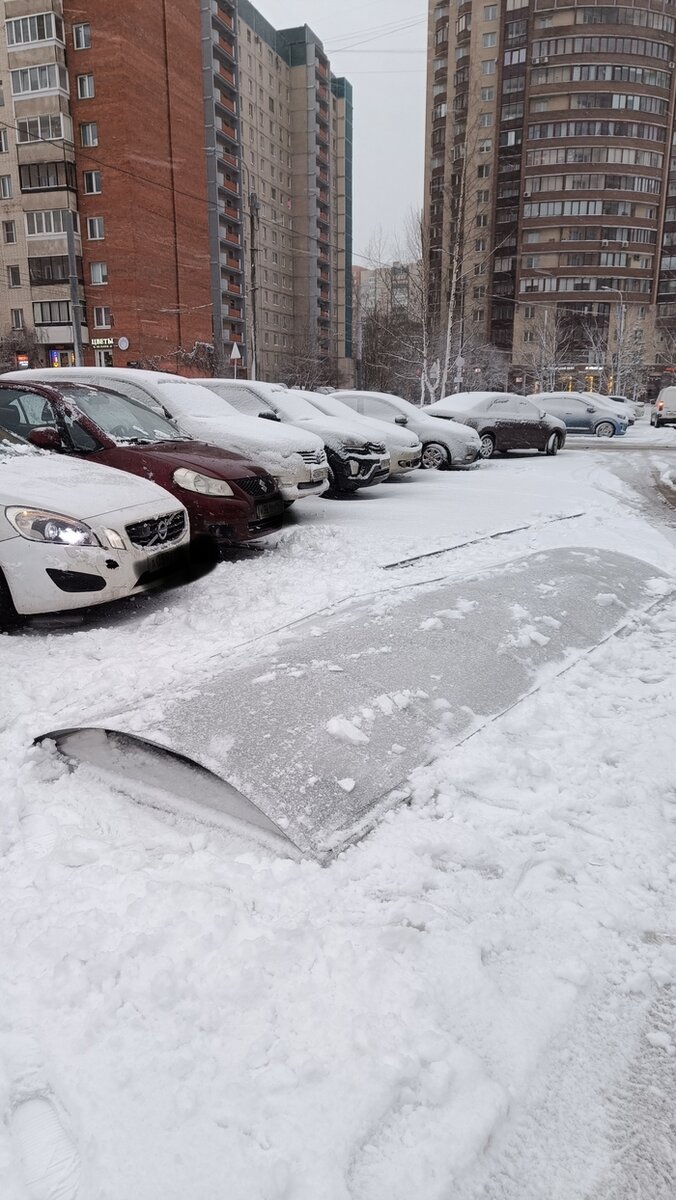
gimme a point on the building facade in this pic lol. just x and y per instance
(207, 163)
(548, 174)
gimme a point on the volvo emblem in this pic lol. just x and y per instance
(162, 530)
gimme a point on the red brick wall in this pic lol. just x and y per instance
(146, 62)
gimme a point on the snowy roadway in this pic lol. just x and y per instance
(474, 1001)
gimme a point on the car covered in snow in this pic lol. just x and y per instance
(582, 414)
(75, 534)
(229, 500)
(503, 421)
(404, 448)
(443, 445)
(295, 458)
(357, 457)
(624, 411)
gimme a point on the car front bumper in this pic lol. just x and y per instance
(44, 578)
(403, 461)
(310, 481)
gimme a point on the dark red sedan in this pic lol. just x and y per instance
(229, 500)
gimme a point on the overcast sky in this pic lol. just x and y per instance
(380, 46)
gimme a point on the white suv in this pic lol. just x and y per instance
(664, 412)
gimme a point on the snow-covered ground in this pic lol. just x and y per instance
(475, 1001)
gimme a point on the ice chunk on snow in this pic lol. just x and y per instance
(605, 599)
(527, 636)
(347, 785)
(268, 678)
(346, 731)
(431, 623)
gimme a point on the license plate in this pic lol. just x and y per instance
(166, 561)
(318, 474)
(270, 508)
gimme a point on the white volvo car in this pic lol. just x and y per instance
(75, 533)
(295, 458)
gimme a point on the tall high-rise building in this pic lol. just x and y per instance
(207, 164)
(548, 181)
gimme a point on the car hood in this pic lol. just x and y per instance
(334, 432)
(198, 456)
(75, 487)
(249, 436)
(450, 432)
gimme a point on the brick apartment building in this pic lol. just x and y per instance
(181, 219)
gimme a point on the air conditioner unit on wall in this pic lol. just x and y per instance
(605, 242)
(625, 245)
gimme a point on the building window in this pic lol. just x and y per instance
(487, 93)
(82, 36)
(529, 312)
(46, 78)
(6, 187)
(490, 12)
(48, 223)
(98, 272)
(24, 31)
(13, 277)
(46, 177)
(528, 335)
(89, 134)
(9, 233)
(488, 66)
(95, 229)
(92, 182)
(85, 87)
(102, 318)
(16, 318)
(51, 312)
(4, 144)
(489, 40)
(42, 129)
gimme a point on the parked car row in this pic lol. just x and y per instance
(113, 480)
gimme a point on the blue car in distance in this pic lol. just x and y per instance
(582, 414)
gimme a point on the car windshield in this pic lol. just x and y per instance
(11, 444)
(295, 407)
(189, 400)
(125, 421)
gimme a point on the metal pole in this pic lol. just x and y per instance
(75, 305)
(253, 218)
(620, 341)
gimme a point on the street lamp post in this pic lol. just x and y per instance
(617, 380)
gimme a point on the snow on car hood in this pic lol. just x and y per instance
(75, 487)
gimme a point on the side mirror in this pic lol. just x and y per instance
(268, 416)
(46, 438)
(401, 420)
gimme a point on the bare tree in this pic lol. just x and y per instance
(549, 347)
(623, 359)
(307, 368)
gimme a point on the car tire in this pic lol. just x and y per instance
(604, 429)
(9, 617)
(656, 423)
(487, 445)
(434, 457)
(553, 444)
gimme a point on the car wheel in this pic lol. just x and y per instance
(487, 446)
(605, 429)
(9, 617)
(434, 457)
(553, 444)
(656, 422)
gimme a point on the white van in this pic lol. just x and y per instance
(664, 412)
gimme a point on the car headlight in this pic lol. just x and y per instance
(40, 525)
(205, 485)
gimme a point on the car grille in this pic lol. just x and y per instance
(375, 448)
(257, 486)
(160, 531)
(315, 458)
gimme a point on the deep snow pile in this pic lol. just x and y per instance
(443, 1011)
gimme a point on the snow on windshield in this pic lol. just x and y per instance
(122, 419)
(295, 406)
(187, 399)
(466, 401)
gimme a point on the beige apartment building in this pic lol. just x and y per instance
(296, 136)
(548, 181)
